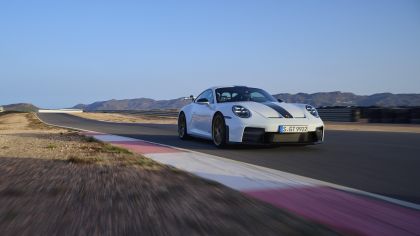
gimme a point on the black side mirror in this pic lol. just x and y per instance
(279, 100)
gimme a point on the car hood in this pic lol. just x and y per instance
(274, 109)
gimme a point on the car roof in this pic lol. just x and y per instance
(228, 86)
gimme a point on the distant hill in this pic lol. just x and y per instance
(351, 99)
(316, 99)
(23, 107)
(134, 104)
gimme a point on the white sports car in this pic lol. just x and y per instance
(241, 114)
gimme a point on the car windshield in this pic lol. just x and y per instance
(242, 94)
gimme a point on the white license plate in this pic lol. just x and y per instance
(293, 129)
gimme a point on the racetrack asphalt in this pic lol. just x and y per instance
(377, 162)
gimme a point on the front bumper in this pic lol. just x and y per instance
(266, 131)
(258, 135)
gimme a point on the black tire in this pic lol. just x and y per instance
(182, 127)
(219, 131)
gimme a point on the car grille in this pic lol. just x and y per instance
(258, 135)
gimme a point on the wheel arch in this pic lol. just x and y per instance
(214, 116)
(224, 119)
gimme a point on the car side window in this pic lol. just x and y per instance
(210, 96)
(224, 97)
(206, 94)
(258, 97)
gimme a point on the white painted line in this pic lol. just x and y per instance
(276, 174)
(233, 175)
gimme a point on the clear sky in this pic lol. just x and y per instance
(60, 53)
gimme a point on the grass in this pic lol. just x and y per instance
(35, 123)
(89, 139)
(108, 148)
(83, 160)
(51, 146)
(124, 157)
(9, 112)
(143, 162)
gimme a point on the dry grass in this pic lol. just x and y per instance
(35, 123)
(127, 118)
(41, 141)
(56, 182)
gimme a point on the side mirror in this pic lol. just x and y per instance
(203, 101)
(279, 100)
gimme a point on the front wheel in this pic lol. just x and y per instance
(219, 131)
(182, 127)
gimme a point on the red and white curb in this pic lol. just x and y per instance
(348, 211)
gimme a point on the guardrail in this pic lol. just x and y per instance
(164, 113)
(60, 111)
(391, 115)
(339, 114)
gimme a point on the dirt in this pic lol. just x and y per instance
(57, 182)
(126, 118)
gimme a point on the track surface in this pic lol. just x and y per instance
(377, 162)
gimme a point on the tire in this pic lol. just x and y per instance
(219, 131)
(182, 127)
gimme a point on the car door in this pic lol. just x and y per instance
(202, 115)
(195, 118)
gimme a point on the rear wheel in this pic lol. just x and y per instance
(219, 131)
(182, 127)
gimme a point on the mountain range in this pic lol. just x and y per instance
(134, 104)
(315, 99)
(351, 99)
(22, 107)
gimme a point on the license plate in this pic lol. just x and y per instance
(293, 129)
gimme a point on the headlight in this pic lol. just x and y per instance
(312, 110)
(241, 111)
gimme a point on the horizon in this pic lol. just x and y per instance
(57, 54)
(119, 99)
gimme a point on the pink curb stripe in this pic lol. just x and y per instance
(347, 213)
(91, 133)
(144, 147)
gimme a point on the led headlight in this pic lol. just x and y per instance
(312, 110)
(241, 111)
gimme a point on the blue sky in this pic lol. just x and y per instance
(60, 53)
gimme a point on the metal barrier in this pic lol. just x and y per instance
(401, 115)
(338, 114)
(164, 113)
(60, 111)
